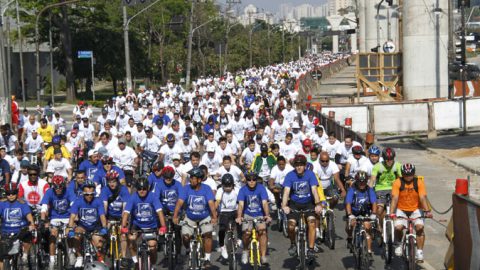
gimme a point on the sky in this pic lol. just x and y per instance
(273, 5)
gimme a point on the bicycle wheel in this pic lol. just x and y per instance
(7, 263)
(364, 260)
(144, 263)
(170, 257)
(60, 258)
(284, 226)
(302, 252)
(330, 232)
(389, 243)
(194, 261)
(230, 244)
(255, 256)
(34, 258)
(279, 220)
(357, 250)
(412, 264)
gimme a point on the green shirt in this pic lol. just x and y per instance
(385, 177)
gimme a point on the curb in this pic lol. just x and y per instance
(465, 167)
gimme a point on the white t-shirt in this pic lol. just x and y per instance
(228, 201)
(235, 172)
(331, 149)
(168, 153)
(249, 156)
(34, 145)
(325, 173)
(344, 152)
(151, 144)
(124, 158)
(29, 127)
(279, 175)
(279, 130)
(59, 167)
(357, 165)
(211, 183)
(288, 150)
(212, 163)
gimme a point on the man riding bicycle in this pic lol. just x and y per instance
(140, 209)
(88, 214)
(253, 204)
(300, 193)
(409, 199)
(200, 205)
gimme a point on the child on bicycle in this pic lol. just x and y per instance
(361, 200)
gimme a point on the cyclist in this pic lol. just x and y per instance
(5, 173)
(60, 165)
(200, 209)
(305, 148)
(55, 211)
(409, 199)
(15, 216)
(373, 157)
(360, 201)
(356, 162)
(277, 178)
(107, 166)
(88, 214)
(233, 170)
(383, 175)
(253, 204)
(168, 150)
(226, 205)
(263, 163)
(300, 193)
(91, 165)
(75, 187)
(33, 190)
(141, 208)
(326, 171)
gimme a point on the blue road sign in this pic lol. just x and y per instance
(85, 54)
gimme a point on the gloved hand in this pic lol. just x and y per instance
(393, 216)
(124, 230)
(103, 231)
(162, 230)
(71, 234)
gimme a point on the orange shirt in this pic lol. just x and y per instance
(409, 199)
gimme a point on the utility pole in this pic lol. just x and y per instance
(464, 67)
(5, 99)
(283, 40)
(189, 53)
(20, 43)
(50, 40)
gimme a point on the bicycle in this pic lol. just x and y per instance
(143, 251)
(170, 249)
(197, 253)
(327, 225)
(409, 243)
(89, 250)
(231, 244)
(38, 257)
(11, 247)
(148, 158)
(301, 237)
(114, 242)
(61, 247)
(387, 231)
(359, 246)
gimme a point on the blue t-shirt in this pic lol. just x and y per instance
(143, 211)
(115, 208)
(253, 200)
(361, 201)
(4, 168)
(89, 168)
(74, 191)
(166, 119)
(14, 216)
(99, 176)
(152, 179)
(168, 195)
(88, 213)
(58, 205)
(196, 202)
(301, 187)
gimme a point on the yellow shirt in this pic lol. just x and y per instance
(46, 133)
(321, 195)
(49, 153)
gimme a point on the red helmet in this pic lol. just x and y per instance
(168, 172)
(11, 187)
(307, 142)
(112, 175)
(300, 160)
(58, 181)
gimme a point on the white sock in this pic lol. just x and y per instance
(134, 259)
(52, 258)
(207, 256)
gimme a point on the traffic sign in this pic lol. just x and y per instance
(389, 47)
(85, 54)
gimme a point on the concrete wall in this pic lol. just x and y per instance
(359, 115)
(401, 117)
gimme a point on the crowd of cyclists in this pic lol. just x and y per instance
(231, 150)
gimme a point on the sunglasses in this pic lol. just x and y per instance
(89, 194)
(58, 187)
(108, 163)
(324, 161)
(142, 189)
(252, 180)
(11, 193)
(32, 174)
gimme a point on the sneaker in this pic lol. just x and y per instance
(51, 264)
(292, 250)
(370, 256)
(419, 255)
(398, 250)
(223, 251)
(207, 264)
(310, 254)
(124, 263)
(79, 262)
(71, 258)
(264, 260)
(245, 257)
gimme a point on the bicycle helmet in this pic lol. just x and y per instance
(227, 180)
(95, 266)
(408, 169)
(142, 184)
(56, 139)
(89, 184)
(317, 146)
(11, 187)
(170, 137)
(300, 160)
(374, 150)
(168, 172)
(307, 142)
(388, 153)
(112, 175)
(58, 182)
(196, 172)
(357, 150)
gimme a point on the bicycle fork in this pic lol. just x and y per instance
(254, 242)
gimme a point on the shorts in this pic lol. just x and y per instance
(330, 191)
(382, 201)
(300, 206)
(224, 218)
(59, 221)
(248, 225)
(414, 214)
(205, 226)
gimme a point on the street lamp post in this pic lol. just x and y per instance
(126, 23)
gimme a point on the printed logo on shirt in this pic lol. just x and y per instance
(61, 206)
(33, 197)
(13, 215)
(170, 196)
(88, 215)
(301, 189)
(253, 202)
(197, 203)
(144, 210)
(91, 173)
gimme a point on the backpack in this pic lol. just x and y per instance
(415, 183)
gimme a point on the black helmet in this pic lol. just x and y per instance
(251, 175)
(408, 169)
(227, 180)
(142, 183)
(196, 172)
(89, 184)
(263, 147)
(361, 176)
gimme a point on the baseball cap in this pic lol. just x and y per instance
(211, 148)
(103, 151)
(295, 125)
(24, 164)
(34, 130)
(148, 129)
(175, 157)
(122, 140)
(186, 136)
(92, 152)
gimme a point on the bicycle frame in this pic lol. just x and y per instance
(114, 240)
(196, 243)
(254, 242)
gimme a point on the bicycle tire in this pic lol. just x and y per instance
(412, 263)
(330, 232)
(170, 257)
(365, 261)
(279, 221)
(389, 243)
(302, 252)
(144, 261)
(33, 258)
(255, 255)
(7, 264)
(285, 226)
(60, 258)
(356, 249)
(194, 265)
